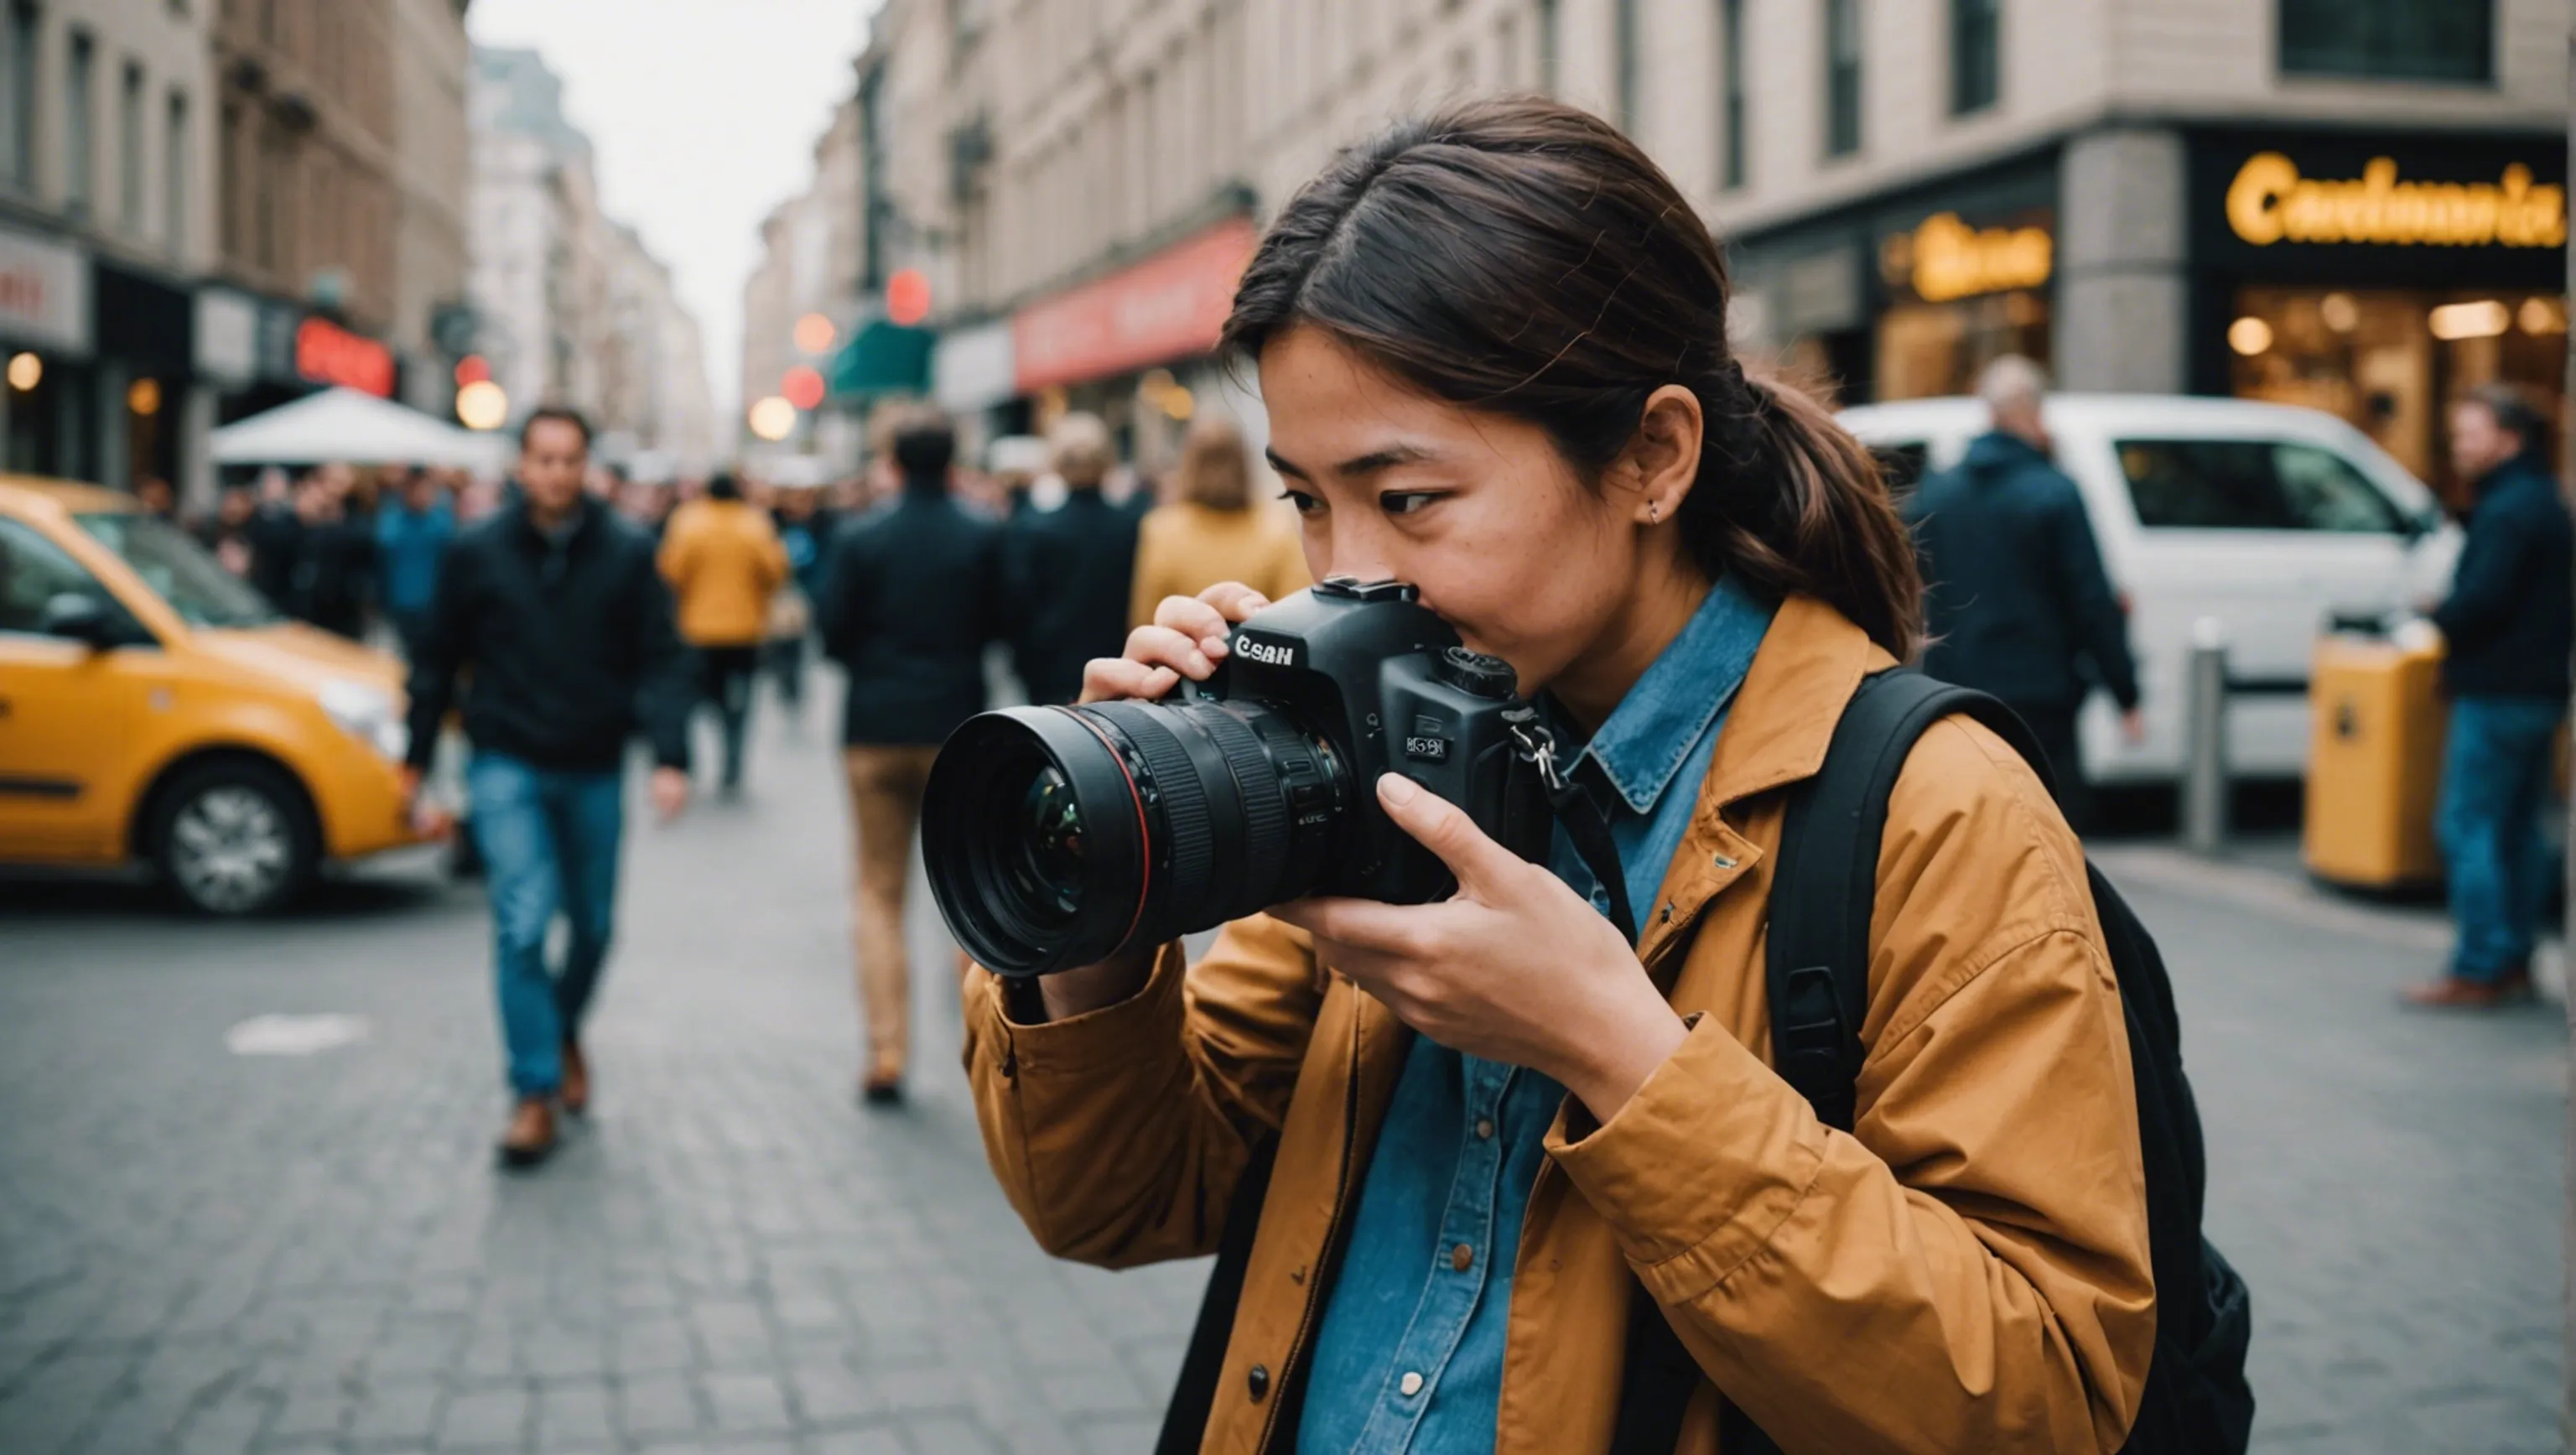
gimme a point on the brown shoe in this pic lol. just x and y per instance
(576, 1079)
(2453, 993)
(882, 1086)
(530, 1138)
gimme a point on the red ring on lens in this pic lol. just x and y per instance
(1144, 836)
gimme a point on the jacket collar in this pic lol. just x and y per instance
(585, 521)
(1651, 732)
(1996, 450)
(2521, 467)
(1811, 662)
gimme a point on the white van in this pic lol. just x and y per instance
(2269, 518)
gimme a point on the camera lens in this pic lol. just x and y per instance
(1055, 836)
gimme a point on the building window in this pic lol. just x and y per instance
(1730, 87)
(1842, 77)
(1976, 55)
(80, 124)
(2406, 40)
(174, 176)
(18, 104)
(130, 167)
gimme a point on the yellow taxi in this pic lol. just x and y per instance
(155, 708)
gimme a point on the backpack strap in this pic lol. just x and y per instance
(1824, 890)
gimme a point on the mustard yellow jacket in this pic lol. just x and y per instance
(1965, 1273)
(1184, 548)
(724, 561)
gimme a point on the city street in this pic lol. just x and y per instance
(209, 1251)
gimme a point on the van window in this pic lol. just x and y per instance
(2252, 485)
(33, 571)
(1901, 464)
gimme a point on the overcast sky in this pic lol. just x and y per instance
(703, 115)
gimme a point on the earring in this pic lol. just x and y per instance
(1654, 512)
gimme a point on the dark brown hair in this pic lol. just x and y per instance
(560, 414)
(1522, 257)
(2511, 407)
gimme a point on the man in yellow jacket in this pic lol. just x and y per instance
(724, 561)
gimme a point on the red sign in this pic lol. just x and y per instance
(329, 354)
(1170, 306)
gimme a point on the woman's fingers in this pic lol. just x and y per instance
(1233, 600)
(1195, 619)
(1108, 679)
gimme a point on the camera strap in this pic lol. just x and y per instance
(1585, 825)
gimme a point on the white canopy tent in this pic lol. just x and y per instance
(349, 427)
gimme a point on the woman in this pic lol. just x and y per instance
(1492, 346)
(1215, 531)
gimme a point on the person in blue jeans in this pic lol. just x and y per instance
(412, 535)
(555, 609)
(2509, 623)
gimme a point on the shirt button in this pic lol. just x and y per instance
(1462, 1258)
(1484, 1128)
(1410, 1385)
(1258, 1381)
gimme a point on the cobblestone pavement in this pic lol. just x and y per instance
(208, 1252)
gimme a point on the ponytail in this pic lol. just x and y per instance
(1788, 501)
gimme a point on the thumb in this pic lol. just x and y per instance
(1445, 829)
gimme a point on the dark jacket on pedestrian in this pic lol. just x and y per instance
(2016, 600)
(409, 544)
(273, 532)
(1071, 569)
(912, 593)
(567, 638)
(2509, 619)
(333, 575)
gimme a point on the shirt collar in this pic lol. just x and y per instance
(1652, 730)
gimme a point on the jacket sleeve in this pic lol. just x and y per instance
(1119, 1134)
(839, 613)
(677, 553)
(2101, 625)
(437, 657)
(2485, 586)
(664, 692)
(1979, 1241)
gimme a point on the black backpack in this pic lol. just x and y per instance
(1822, 893)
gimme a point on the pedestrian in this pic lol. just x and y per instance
(331, 580)
(553, 611)
(154, 497)
(2507, 624)
(1216, 531)
(228, 532)
(2016, 601)
(273, 534)
(1493, 350)
(413, 530)
(724, 562)
(802, 530)
(1072, 566)
(910, 599)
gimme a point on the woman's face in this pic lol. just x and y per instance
(1476, 509)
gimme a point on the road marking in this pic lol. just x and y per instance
(295, 1035)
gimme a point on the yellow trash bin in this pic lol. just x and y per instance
(2375, 760)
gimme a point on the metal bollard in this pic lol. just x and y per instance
(2204, 769)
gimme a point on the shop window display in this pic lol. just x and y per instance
(2393, 361)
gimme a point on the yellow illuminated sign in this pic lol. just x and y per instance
(2270, 202)
(1944, 258)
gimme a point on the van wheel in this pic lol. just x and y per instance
(233, 839)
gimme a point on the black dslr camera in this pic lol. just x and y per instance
(1055, 836)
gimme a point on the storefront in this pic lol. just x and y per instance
(1135, 345)
(48, 333)
(1907, 295)
(2378, 277)
(147, 359)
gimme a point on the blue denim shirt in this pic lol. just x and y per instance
(1410, 1354)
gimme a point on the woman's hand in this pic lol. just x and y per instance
(1187, 639)
(1514, 968)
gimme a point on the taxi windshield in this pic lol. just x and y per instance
(195, 585)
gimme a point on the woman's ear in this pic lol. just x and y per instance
(1662, 459)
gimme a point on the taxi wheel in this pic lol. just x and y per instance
(233, 838)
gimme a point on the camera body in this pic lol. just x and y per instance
(1387, 686)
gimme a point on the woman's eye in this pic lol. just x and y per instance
(1301, 502)
(1405, 502)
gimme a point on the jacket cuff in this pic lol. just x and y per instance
(1110, 1035)
(1701, 1167)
